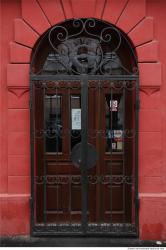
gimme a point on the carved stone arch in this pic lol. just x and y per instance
(130, 16)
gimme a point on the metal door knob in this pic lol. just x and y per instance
(91, 156)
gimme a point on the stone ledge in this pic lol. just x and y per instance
(22, 241)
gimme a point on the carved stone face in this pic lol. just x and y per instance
(83, 54)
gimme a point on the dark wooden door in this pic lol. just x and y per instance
(58, 129)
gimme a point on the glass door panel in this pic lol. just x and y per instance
(53, 123)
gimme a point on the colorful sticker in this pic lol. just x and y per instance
(118, 135)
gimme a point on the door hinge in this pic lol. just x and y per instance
(31, 202)
(137, 203)
(137, 105)
(30, 103)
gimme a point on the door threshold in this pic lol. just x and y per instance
(21, 241)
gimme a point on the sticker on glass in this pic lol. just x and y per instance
(113, 145)
(119, 145)
(113, 105)
(118, 135)
(76, 119)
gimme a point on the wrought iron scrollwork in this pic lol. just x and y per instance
(76, 179)
(108, 228)
(118, 85)
(86, 46)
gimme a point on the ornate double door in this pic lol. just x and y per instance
(84, 155)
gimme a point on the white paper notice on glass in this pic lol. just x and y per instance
(76, 119)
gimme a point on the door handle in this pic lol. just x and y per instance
(91, 156)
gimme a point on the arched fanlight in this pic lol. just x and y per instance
(84, 46)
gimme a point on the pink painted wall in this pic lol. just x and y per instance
(22, 23)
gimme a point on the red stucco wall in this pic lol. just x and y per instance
(22, 23)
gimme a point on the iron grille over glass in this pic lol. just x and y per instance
(84, 95)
